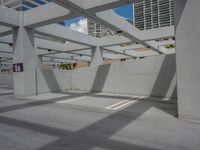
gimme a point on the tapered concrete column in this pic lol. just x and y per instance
(38, 61)
(24, 82)
(188, 62)
(97, 57)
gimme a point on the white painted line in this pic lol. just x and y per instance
(116, 108)
(142, 97)
(70, 100)
(122, 103)
(110, 107)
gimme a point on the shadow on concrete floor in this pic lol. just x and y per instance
(95, 135)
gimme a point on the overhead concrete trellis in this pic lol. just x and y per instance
(38, 17)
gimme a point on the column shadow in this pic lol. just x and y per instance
(165, 76)
(100, 78)
(38, 103)
(51, 80)
(95, 135)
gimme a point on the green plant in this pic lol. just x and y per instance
(170, 46)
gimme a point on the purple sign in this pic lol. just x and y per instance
(18, 67)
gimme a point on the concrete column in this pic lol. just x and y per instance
(24, 52)
(97, 57)
(188, 62)
(38, 61)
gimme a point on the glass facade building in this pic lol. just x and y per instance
(154, 14)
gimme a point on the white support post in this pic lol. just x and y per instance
(24, 52)
(188, 62)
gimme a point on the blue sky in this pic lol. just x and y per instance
(125, 11)
(67, 23)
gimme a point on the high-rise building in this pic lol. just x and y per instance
(154, 14)
(97, 30)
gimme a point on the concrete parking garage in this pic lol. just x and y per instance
(147, 99)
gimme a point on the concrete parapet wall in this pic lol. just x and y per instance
(52, 80)
(154, 76)
(6, 78)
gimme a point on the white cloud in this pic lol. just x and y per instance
(80, 26)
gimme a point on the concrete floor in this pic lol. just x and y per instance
(88, 121)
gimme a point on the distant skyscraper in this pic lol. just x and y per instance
(97, 30)
(154, 14)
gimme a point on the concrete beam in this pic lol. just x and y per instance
(99, 5)
(86, 53)
(161, 46)
(67, 55)
(65, 34)
(41, 43)
(5, 48)
(7, 38)
(38, 16)
(5, 33)
(129, 51)
(56, 47)
(43, 51)
(43, 46)
(84, 59)
(33, 2)
(121, 50)
(6, 54)
(147, 35)
(6, 59)
(157, 33)
(114, 21)
(4, 29)
(9, 17)
(56, 61)
(113, 40)
(56, 14)
(12, 3)
(109, 19)
(79, 54)
(108, 55)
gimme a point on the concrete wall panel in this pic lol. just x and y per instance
(52, 80)
(6, 78)
(155, 76)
